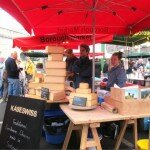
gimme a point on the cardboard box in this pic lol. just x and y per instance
(55, 57)
(56, 72)
(54, 79)
(55, 64)
(54, 50)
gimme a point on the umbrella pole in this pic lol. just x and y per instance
(93, 61)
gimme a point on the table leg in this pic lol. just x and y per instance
(96, 138)
(135, 133)
(84, 137)
(121, 134)
(68, 135)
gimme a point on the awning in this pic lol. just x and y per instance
(67, 41)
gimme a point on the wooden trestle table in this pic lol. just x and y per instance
(83, 120)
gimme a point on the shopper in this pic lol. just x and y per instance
(13, 75)
(116, 74)
(147, 67)
(29, 69)
(2, 67)
(83, 67)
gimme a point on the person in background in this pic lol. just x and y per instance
(2, 67)
(147, 67)
(22, 76)
(83, 67)
(116, 74)
(29, 69)
(13, 74)
(105, 69)
(70, 60)
(97, 68)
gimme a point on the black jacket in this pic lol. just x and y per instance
(11, 68)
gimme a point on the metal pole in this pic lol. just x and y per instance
(93, 61)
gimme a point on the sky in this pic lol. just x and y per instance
(8, 22)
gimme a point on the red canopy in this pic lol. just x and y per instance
(75, 17)
(68, 41)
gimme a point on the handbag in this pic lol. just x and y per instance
(45, 93)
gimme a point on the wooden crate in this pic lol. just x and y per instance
(128, 106)
(118, 94)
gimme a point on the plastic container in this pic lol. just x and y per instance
(55, 126)
(53, 113)
(142, 144)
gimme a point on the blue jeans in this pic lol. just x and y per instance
(14, 87)
(1, 90)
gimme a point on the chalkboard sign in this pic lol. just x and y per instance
(22, 123)
(79, 101)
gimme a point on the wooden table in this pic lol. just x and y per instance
(83, 120)
(48, 101)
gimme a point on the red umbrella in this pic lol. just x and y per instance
(67, 41)
(64, 16)
(82, 16)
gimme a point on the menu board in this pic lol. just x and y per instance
(22, 123)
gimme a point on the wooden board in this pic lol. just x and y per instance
(92, 116)
(82, 108)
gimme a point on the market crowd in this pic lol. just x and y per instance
(14, 76)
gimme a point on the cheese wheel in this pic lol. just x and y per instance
(83, 85)
(55, 57)
(83, 91)
(54, 50)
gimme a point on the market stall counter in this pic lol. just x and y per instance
(83, 120)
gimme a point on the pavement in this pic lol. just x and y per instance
(107, 142)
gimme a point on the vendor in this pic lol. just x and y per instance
(116, 74)
(70, 60)
(83, 67)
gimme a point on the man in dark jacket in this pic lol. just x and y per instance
(83, 67)
(13, 75)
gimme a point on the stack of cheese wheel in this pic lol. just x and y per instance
(55, 73)
(83, 92)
